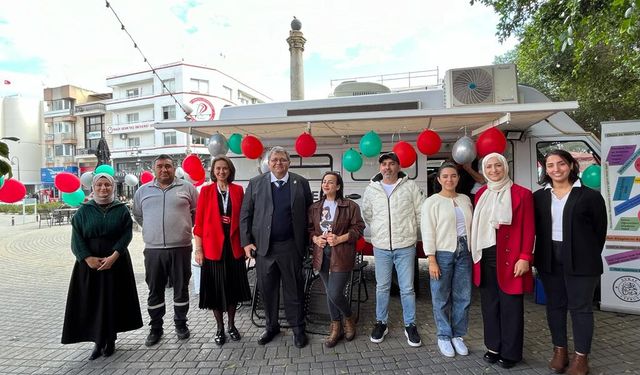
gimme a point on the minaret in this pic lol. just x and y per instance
(296, 42)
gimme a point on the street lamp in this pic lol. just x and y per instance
(16, 161)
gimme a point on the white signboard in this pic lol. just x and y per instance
(94, 135)
(620, 282)
(129, 128)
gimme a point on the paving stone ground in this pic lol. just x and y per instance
(35, 265)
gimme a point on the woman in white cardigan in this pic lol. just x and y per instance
(445, 224)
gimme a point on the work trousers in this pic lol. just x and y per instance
(162, 265)
(282, 262)
(575, 294)
(502, 313)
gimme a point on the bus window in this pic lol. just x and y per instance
(580, 150)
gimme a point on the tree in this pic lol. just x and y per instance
(585, 50)
(5, 164)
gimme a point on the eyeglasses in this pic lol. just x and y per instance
(275, 161)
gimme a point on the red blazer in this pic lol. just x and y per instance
(514, 242)
(209, 224)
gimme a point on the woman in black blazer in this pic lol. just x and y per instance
(571, 227)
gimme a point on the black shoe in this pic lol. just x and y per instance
(154, 336)
(109, 348)
(490, 357)
(234, 334)
(183, 332)
(300, 340)
(220, 338)
(378, 333)
(96, 352)
(267, 336)
(506, 363)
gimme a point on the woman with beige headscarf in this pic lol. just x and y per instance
(102, 299)
(502, 237)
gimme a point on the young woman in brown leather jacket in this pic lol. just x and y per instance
(335, 224)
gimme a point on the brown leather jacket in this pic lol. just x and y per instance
(348, 219)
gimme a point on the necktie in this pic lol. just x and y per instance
(279, 183)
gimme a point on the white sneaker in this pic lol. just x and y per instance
(461, 348)
(445, 348)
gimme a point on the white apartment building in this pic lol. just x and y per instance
(140, 100)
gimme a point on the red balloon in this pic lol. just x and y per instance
(12, 191)
(146, 176)
(306, 145)
(491, 140)
(252, 147)
(406, 154)
(200, 182)
(66, 182)
(192, 163)
(429, 142)
(197, 175)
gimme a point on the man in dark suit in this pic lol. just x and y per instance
(273, 223)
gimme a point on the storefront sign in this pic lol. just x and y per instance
(202, 109)
(129, 128)
(94, 135)
(47, 175)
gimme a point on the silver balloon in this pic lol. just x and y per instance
(131, 180)
(218, 145)
(87, 179)
(264, 163)
(464, 150)
(180, 172)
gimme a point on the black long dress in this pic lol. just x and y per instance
(101, 303)
(224, 282)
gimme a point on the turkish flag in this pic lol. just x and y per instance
(7, 82)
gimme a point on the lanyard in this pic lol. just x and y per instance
(225, 199)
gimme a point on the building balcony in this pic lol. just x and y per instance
(49, 160)
(65, 138)
(90, 109)
(48, 139)
(85, 153)
(67, 160)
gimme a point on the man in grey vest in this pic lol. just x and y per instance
(273, 224)
(165, 209)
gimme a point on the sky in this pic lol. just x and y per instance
(47, 43)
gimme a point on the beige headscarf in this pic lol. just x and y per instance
(493, 209)
(106, 200)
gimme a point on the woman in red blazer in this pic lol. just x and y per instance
(502, 237)
(224, 280)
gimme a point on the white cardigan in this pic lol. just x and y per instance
(438, 222)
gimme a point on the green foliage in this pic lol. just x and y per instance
(17, 208)
(585, 50)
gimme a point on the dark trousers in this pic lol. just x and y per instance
(334, 284)
(160, 266)
(574, 293)
(502, 314)
(282, 262)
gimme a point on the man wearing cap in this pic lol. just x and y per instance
(391, 209)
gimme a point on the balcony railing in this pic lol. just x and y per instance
(48, 137)
(65, 137)
(96, 107)
(85, 151)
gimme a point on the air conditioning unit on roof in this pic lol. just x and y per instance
(482, 85)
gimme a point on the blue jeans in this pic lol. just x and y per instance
(403, 259)
(451, 293)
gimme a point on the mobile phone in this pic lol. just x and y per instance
(253, 253)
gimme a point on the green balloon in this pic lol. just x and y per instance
(351, 160)
(591, 176)
(1, 181)
(235, 143)
(73, 199)
(370, 144)
(105, 168)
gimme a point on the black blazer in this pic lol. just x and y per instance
(257, 210)
(584, 230)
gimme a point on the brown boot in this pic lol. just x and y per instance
(335, 334)
(560, 360)
(579, 365)
(349, 328)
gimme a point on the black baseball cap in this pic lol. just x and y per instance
(389, 155)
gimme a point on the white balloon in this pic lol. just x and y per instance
(464, 150)
(180, 173)
(87, 179)
(131, 180)
(264, 163)
(186, 176)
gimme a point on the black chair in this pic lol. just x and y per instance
(44, 215)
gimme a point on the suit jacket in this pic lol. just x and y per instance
(209, 223)
(584, 230)
(513, 242)
(257, 210)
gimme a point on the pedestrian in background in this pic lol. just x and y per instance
(502, 237)
(335, 224)
(102, 298)
(571, 229)
(446, 224)
(165, 209)
(223, 282)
